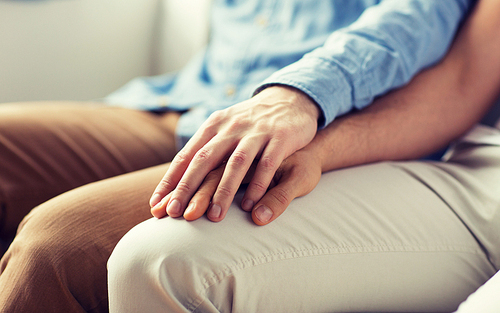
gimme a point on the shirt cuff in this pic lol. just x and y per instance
(313, 77)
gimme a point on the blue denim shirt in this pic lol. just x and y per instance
(342, 53)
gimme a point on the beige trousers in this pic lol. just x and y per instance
(387, 237)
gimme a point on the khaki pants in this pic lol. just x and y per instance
(407, 236)
(387, 237)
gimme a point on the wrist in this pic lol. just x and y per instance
(297, 97)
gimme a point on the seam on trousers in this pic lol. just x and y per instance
(483, 248)
(279, 256)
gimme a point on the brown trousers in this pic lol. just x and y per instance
(47, 149)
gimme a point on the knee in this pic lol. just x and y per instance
(160, 265)
(45, 247)
(41, 242)
(54, 273)
(51, 241)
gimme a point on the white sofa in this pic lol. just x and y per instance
(85, 49)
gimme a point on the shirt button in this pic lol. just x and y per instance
(261, 21)
(230, 91)
(163, 101)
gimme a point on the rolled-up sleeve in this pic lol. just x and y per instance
(383, 49)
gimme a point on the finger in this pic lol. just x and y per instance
(170, 179)
(201, 199)
(276, 200)
(205, 160)
(181, 162)
(236, 168)
(271, 159)
(160, 209)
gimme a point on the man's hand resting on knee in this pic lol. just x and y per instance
(296, 176)
(265, 129)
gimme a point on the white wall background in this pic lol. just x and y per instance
(84, 49)
(182, 31)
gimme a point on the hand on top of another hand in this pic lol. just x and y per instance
(296, 176)
(266, 128)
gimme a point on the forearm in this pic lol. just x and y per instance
(439, 105)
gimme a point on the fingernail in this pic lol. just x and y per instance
(155, 199)
(161, 203)
(247, 205)
(263, 213)
(190, 208)
(215, 211)
(174, 207)
(156, 206)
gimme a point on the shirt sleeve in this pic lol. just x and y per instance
(383, 49)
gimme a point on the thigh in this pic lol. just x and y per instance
(369, 238)
(470, 185)
(57, 261)
(49, 148)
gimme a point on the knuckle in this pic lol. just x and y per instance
(281, 195)
(280, 133)
(267, 163)
(216, 118)
(237, 125)
(259, 186)
(203, 154)
(213, 123)
(302, 174)
(264, 129)
(225, 192)
(165, 184)
(208, 130)
(181, 157)
(184, 187)
(239, 158)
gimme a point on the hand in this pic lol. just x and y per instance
(296, 176)
(268, 127)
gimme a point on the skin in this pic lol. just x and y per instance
(266, 128)
(438, 106)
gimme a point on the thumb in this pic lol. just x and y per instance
(275, 201)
